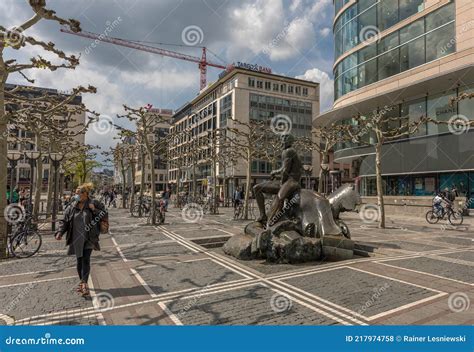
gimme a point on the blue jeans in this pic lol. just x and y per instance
(439, 210)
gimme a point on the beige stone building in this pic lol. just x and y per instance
(414, 56)
(24, 141)
(240, 94)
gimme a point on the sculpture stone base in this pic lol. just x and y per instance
(337, 248)
(282, 243)
(239, 246)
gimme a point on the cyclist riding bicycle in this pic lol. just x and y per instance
(437, 204)
(237, 197)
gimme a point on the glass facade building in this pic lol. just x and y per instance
(424, 40)
(368, 17)
(417, 57)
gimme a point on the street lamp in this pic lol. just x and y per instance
(56, 159)
(32, 157)
(308, 169)
(13, 158)
(324, 182)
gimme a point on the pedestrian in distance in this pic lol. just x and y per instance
(84, 220)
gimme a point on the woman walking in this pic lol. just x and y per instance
(82, 226)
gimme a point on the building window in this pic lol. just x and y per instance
(427, 39)
(275, 87)
(439, 108)
(368, 71)
(225, 110)
(387, 14)
(411, 112)
(260, 84)
(440, 42)
(466, 106)
(251, 82)
(283, 88)
(409, 7)
(305, 91)
(412, 54)
(291, 89)
(381, 14)
(268, 85)
(298, 90)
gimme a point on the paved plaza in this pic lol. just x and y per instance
(177, 274)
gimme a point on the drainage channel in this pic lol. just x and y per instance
(211, 242)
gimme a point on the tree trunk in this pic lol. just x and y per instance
(51, 182)
(61, 190)
(124, 183)
(320, 181)
(214, 189)
(194, 181)
(151, 155)
(132, 185)
(3, 160)
(39, 184)
(247, 186)
(153, 190)
(224, 185)
(178, 176)
(322, 173)
(378, 172)
(142, 179)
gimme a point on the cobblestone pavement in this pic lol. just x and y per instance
(177, 273)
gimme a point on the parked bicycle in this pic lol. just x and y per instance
(239, 210)
(159, 213)
(24, 241)
(142, 208)
(438, 213)
(211, 206)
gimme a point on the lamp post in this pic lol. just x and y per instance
(61, 185)
(56, 159)
(13, 158)
(323, 182)
(32, 157)
(308, 169)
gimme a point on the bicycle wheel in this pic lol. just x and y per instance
(163, 216)
(236, 212)
(431, 217)
(25, 244)
(455, 218)
(136, 210)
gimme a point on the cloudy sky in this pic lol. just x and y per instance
(293, 37)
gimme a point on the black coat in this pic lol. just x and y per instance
(92, 222)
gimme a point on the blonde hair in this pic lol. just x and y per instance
(86, 187)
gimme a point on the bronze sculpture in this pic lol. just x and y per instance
(289, 184)
(302, 225)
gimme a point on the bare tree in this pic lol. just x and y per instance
(385, 129)
(147, 122)
(15, 39)
(50, 118)
(272, 148)
(323, 141)
(247, 139)
(226, 157)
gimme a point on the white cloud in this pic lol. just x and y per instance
(299, 35)
(266, 26)
(171, 79)
(326, 86)
(254, 25)
(325, 31)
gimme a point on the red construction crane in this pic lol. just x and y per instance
(202, 62)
